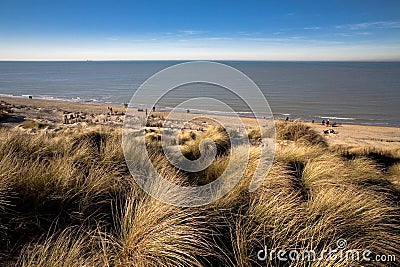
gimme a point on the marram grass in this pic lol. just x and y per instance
(67, 199)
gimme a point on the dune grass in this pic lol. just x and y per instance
(191, 148)
(67, 199)
(72, 247)
(32, 124)
(152, 233)
(299, 132)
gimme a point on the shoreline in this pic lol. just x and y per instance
(51, 111)
(276, 116)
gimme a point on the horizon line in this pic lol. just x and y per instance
(240, 60)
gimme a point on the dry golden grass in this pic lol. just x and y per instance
(279, 216)
(45, 167)
(254, 135)
(4, 206)
(4, 185)
(187, 136)
(191, 148)
(152, 233)
(394, 175)
(72, 247)
(31, 124)
(239, 193)
(299, 132)
(67, 199)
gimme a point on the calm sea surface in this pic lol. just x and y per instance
(353, 92)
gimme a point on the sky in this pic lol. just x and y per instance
(191, 29)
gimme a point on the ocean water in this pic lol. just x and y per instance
(349, 92)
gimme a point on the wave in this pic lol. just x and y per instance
(337, 118)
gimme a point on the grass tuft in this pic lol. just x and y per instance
(299, 132)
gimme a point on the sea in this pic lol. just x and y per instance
(344, 92)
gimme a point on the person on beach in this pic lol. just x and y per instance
(110, 111)
(323, 122)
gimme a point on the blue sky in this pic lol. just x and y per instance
(188, 29)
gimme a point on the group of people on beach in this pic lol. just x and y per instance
(70, 118)
(327, 123)
(74, 117)
(323, 122)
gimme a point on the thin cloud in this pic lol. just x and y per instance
(351, 34)
(290, 40)
(217, 38)
(190, 32)
(112, 38)
(371, 25)
(311, 28)
(342, 34)
(364, 33)
(246, 33)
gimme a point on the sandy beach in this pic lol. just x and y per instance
(361, 135)
(52, 112)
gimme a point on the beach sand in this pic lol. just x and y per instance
(361, 135)
(52, 112)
